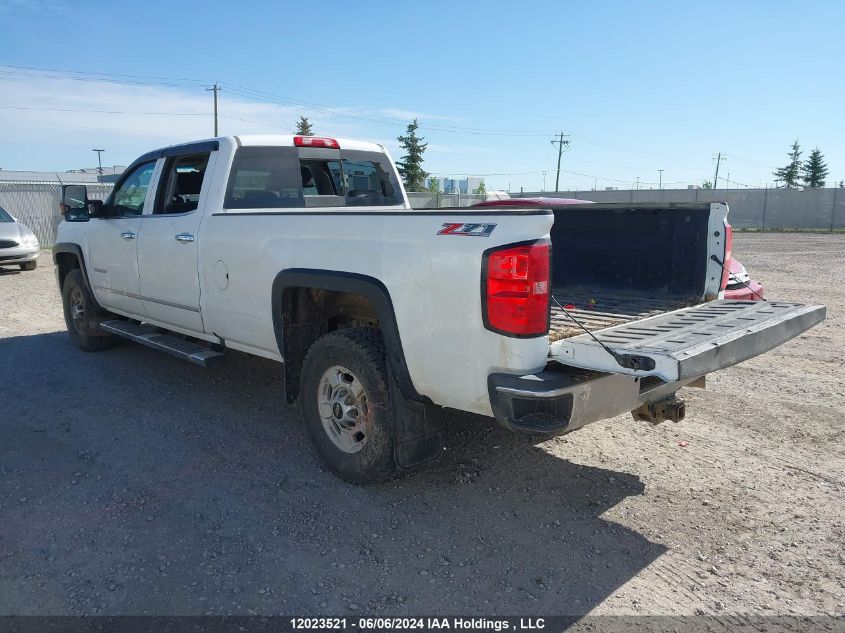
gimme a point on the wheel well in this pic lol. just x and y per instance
(65, 262)
(308, 314)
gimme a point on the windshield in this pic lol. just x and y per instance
(5, 217)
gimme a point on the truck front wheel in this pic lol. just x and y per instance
(346, 403)
(81, 315)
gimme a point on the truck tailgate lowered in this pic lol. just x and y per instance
(692, 341)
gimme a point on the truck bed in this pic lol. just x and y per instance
(597, 308)
(619, 263)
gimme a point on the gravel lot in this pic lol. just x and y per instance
(134, 483)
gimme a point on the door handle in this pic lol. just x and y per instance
(185, 238)
(128, 235)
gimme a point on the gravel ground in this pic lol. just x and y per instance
(134, 483)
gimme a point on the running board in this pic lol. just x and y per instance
(168, 343)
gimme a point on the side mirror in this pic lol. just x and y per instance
(75, 196)
(74, 205)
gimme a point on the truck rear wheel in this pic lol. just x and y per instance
(346, 403)
(81, 315)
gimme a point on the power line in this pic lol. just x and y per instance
(260, 95)
(282, 127)
(81, 72)
(102, 111)
(245, 91)
(169, 84)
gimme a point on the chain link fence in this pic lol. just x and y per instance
(36, 204)
(821, 209)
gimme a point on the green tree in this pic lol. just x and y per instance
(433, 184)
(482, 188)
(815, 170)
(303, 127)
(707, 185)
(410, 165)
(791, 173)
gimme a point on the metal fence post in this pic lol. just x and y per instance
(765, 204)
(833, 209)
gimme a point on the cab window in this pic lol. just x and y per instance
(321, 177)
(128, 199)
(369, 179)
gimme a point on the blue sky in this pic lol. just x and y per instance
(639, 86)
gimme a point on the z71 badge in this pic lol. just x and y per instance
(467, 229)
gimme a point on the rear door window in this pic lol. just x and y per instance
(181, 184)
(265, 178)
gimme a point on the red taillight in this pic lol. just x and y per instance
(315, 141)
(516, 286)
(729, 243)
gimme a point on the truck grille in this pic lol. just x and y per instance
(8, 244)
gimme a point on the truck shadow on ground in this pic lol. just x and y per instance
(135, 483)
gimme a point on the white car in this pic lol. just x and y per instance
(305, 250)
(18, 244)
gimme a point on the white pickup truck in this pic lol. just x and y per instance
(306, 251)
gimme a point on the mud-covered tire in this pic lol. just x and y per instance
(82, 326)
(357, 356)
(29, 265)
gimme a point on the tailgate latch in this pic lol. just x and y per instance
(634, 361)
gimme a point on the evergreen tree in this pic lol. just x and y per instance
(410, 165)
(791, 172)
(815, 169)
(303, 127)
(482, 188)
(433, 184)
(707, 185)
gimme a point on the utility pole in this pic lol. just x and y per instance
(719, 159)
(638, 183)
(660, 186)
(99, 160)
(560, 145)
(215, 89)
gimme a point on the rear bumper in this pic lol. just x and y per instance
(754, 292)
(562, 399)
(19, 255)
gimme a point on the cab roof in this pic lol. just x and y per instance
(253, 140)
(286, 140)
